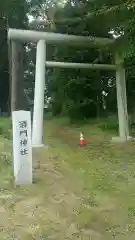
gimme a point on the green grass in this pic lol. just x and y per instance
(79, 193)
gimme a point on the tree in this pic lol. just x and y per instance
(13, 14)
(118, 16)
(79, 89)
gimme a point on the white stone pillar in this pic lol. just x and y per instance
(122, 101)
(37, 132)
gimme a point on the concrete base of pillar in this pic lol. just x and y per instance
(121, 140)
(40, 146)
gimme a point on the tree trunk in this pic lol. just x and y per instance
(17, 76)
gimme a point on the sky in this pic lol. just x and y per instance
(30, 17)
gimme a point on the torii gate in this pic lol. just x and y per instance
(43, 38)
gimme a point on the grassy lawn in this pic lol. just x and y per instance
(78, 193)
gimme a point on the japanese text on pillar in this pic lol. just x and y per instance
(23, 138)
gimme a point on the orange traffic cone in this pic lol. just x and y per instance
(82, 142)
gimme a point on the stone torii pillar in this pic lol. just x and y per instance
(121, 102)
(37, 132)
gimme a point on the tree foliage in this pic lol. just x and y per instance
(80, 89)
(118, 15)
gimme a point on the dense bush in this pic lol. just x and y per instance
(5, 128)
(109, 124)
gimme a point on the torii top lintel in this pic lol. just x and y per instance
(57, 38)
